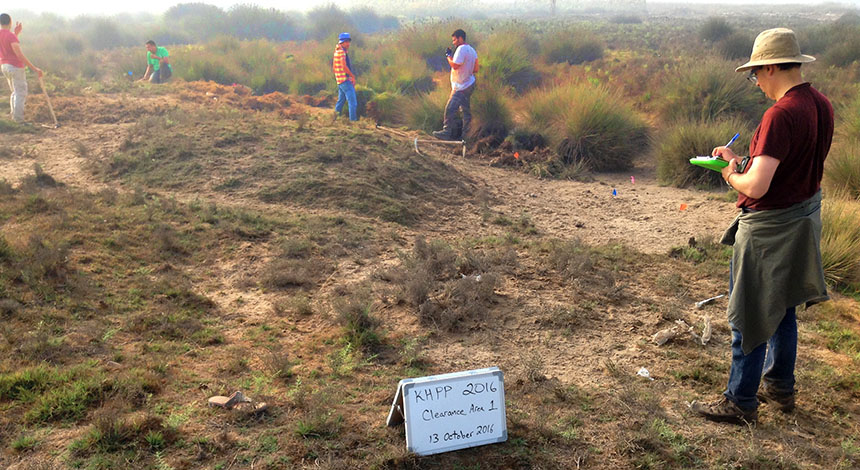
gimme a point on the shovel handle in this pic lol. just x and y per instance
(48, 98)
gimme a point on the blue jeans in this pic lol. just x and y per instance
(776, 357)
(459, 100)
(346, 93)
(161, 75)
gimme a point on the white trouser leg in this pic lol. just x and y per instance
(17, 79)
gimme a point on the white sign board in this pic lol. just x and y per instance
(451, 411)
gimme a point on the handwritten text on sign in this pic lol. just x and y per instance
(454, 411)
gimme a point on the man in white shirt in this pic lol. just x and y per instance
(464, 63)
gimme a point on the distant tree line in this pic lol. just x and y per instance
(196, 22)
(189, 23)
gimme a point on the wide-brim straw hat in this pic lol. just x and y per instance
(775, 46)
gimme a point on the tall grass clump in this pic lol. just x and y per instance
(715, 29)
(849, 117)
(387, 107)
(506, 59)
(425, 111)
(709, 89)
(573, 46)
(492, 117)
(588, 125)
(685, 140)
(840, 241)
(842, 169)
(354, 313)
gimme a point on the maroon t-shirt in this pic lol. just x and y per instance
(797, 131)
(7, 55)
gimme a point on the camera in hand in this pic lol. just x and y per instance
(449, 52)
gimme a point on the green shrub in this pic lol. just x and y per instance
(709, 89)
(588, 125)
(836, 43)
(622, 18)
(199, 20)
(840, 241)
(506, 60)
(715, 29)
(327, 21)
(815, 39)
(846, 51)
(354, 314)
(685, 140)
(736, 46)
(573, 47)
(247, 21)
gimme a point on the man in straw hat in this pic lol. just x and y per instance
(776, 260)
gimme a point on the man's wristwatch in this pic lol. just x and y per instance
(742, 166)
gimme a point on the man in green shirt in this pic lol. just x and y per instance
(158, 68)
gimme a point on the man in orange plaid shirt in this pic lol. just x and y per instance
(345, 78)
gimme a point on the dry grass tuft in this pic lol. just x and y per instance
(840, 242)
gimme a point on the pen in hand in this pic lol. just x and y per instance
(733, 140)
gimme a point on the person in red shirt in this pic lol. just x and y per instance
(13, 63)
(776, 260)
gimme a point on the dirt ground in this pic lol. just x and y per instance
(630, 208)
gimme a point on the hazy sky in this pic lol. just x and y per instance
(67, 8)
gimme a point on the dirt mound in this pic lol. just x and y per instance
(238, 96)
(507, 155)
